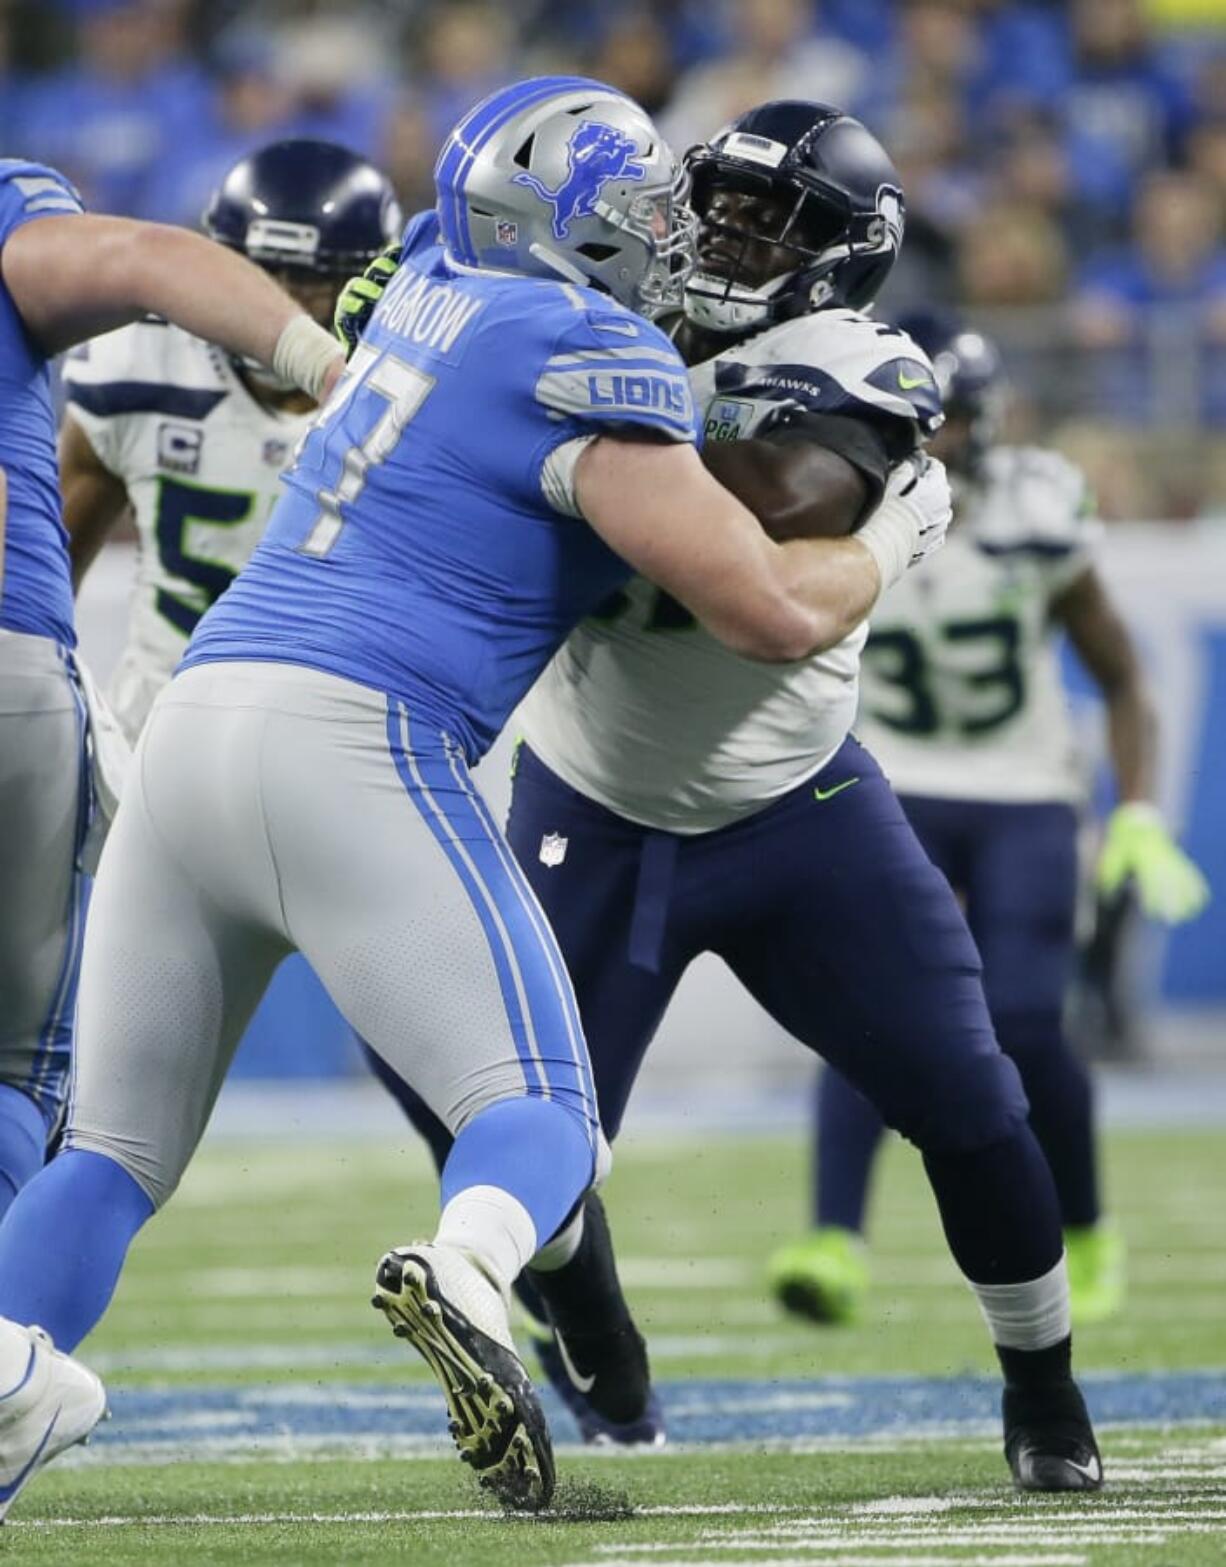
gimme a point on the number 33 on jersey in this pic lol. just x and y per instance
(960, 691)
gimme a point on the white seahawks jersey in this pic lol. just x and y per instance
(642, 710)
(200, 458)
(961, 696)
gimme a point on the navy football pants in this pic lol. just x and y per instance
(1016, 869)
(833, 917)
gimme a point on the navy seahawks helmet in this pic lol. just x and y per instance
(970, 377)
(845, 213)
(309, 205)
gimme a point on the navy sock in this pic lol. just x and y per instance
(23, 1142)
(999, 1209)
(63, 1243)
(849, 1132)
(533, 1148)
(1061, 1099)
(585, 1294)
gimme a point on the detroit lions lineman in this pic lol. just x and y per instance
(64, 276)
(671, 798)
(509, 441)
(963, 705)
(190, 436)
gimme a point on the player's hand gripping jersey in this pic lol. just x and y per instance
(645, 712)
(200, 458)
(35, 585)
(427, 545)
(961, 695)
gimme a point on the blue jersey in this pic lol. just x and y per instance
(36, 591)
(423, 547)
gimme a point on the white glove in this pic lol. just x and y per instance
(912, 519)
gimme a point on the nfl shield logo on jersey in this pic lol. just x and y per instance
(553, 849)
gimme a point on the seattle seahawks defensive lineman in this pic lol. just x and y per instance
(671, 798)
(962, 704)
(193, 438)
(509, 442)
(63, 277)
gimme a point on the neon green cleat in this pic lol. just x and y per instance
(1096, 1271)
(823, 1277)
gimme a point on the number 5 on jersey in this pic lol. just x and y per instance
(404, 388)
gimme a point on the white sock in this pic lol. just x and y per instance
(14, 1355)
(557, 1253)
(1031, 1315)
(494, 1228)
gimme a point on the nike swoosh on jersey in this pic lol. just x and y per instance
(7, 1492)
(578, 1380)
(909, 383)
(829, 794)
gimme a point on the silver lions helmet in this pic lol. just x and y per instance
(564, 177)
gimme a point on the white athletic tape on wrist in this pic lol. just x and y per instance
(304, 354)
(890, 536)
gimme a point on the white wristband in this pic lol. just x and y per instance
(304, 354)
(889, 537)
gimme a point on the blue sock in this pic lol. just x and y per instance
(23, 1142)
(63, 1243)
(533, 1148)
(849, 1131)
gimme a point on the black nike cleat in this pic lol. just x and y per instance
(604, 1380)
(457, 1320)
(1049, 1441)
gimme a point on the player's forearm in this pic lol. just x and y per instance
(1132, 738)
(110, 271)
(832, 584)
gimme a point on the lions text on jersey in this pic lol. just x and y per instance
(423, 547)
(644, 711)
(35, 586)
(200, 458)
(961, 692)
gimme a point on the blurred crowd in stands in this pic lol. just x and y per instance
(1064, 161)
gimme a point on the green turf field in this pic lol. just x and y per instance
(263, 1414)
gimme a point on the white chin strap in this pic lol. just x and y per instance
(711, 303)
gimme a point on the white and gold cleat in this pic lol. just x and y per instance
(442, 1303)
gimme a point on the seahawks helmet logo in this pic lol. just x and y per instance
(595, 154)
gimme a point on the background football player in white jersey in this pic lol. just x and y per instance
(963, 705)
(672, 798)
(192, 438)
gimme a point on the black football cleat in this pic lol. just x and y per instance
(1049, 1441)
(604, 1380)
(450, 1312)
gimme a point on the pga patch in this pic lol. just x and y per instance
(728, 419)
(506, 232)
(180, 447)
(553, 849)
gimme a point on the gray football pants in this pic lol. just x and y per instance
(272, 808)
(44, 805)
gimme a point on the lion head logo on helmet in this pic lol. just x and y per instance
(595, 154)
